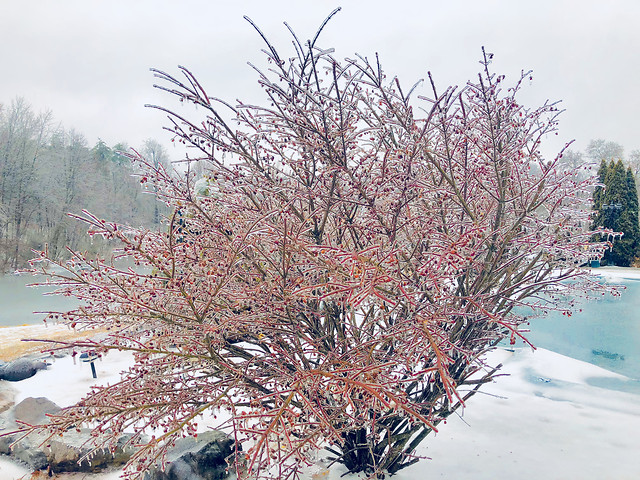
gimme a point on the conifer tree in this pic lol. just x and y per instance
(616, 205)
(598, 193)
(630, 242)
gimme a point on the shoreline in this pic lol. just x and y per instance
(625, 273)
(13, 346)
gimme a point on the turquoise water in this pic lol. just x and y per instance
(606, 333)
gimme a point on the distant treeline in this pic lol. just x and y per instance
(47, 171)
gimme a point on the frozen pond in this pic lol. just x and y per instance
(606, 333)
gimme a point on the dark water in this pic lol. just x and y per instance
(606, 333)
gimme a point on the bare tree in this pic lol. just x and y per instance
(22, 137)
(156, 155)
(600, 149)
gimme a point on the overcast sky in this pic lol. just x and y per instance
(88, 60)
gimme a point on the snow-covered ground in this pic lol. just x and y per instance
(546, 420)
(617, 274)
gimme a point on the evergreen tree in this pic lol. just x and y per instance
(101, 151)
(616, 208)
(629, 244)
(631, 186)
(598, 193)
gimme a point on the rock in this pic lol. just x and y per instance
(26, 451)
(7, 397)
(57, 454)
(33, 410)
(5, 443)
(64, 455)
(179, 470)
(21, 369)
(201, 458)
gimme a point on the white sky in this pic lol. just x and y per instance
(88, 60)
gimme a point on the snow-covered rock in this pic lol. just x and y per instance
(21, 369)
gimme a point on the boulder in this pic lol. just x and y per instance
(5, 444)
(34, 410)
(28, 453)
(21, 369)
(201, 458)
(64, 455)
(25, 451)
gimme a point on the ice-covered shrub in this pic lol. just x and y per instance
(336, 278)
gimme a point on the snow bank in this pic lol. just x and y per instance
(544, 421)
(617, 274)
